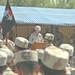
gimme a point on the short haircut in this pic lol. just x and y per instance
(2, 69)
(27, 67)
(50, 41)
(19, 48)
(48, 71)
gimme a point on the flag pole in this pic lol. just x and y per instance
(16, 29)
(7, 35)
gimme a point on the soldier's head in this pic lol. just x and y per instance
(10, 44)
(37, 29)
(49, 37)
(3, 61)
(69, 48)
(26, 62)
(21, 43)
(54, 62)
(10, 54)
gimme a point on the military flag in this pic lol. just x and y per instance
(8, 20)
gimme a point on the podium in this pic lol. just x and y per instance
(37, 45)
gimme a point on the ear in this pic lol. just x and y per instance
(39, 71)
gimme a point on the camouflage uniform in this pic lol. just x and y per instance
(36, 36)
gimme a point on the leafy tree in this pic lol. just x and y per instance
(42, 3)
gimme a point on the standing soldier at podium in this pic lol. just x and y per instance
(49, 38)
(36, 36)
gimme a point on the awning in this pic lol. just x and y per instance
(47, 16)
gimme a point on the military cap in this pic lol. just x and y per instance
(10, 44)
(4, 46)
(37, 28)
(3, 58)
(26, 55)
(49, 36)
(55, 59)
(21, 42)
(10, 54)
(69, 48)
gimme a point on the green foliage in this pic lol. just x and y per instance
(42, 3)
(2, 2)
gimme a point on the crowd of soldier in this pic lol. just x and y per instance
(18, 59)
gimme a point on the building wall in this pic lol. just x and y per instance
(26, 30)
(67, 32)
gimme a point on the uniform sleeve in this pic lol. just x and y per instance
(42, 40)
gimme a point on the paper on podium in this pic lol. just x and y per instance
(37, 45)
